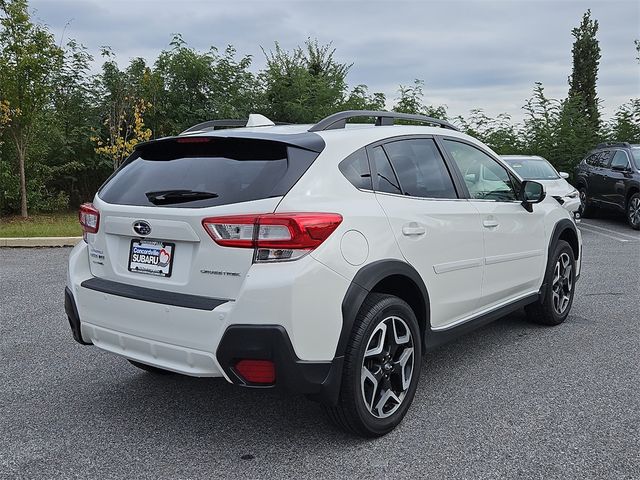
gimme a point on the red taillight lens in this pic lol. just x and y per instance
(276, 236)
(89, 218)
(257, 371)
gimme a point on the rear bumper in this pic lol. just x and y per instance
(71, 310)
(319, 380)
(279, 315)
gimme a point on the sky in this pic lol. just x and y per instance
(471, 54)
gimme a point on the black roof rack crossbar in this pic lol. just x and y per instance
(614, 144)
(339, 120)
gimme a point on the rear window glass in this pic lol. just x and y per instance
(356, 169)
(219, 171)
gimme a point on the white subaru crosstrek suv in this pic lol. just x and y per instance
(322, 259)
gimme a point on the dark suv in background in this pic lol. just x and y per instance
(609, 177)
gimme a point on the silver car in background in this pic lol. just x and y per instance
(534, 167)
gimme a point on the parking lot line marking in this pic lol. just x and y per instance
(584, 227)
(608, 230)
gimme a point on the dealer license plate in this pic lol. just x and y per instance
(151, 257)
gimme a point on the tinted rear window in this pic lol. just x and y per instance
(223, 170)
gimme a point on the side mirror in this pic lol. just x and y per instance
(531, 192)
(471, 177)
(564, 175)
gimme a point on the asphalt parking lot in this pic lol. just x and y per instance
(512, 400)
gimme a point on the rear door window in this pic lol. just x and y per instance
(215, 171)
(603, 159)
(420, 168)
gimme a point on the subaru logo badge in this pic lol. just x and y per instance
(142, 228)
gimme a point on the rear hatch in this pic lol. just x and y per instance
(150, 231)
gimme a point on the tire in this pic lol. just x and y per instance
(586, 209)
(387, 323)
(559, 288)
(149, 368)
(633, 211)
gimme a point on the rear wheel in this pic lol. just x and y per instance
(149, 368)
(381, 369)
(558, 290)
(586, 207)
(633, 211)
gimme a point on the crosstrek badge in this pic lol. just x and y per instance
(151, 257)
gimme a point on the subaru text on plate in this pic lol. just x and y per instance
(322, 258)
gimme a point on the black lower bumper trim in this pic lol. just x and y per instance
(151, 295)
(318, 380)
(72, 314)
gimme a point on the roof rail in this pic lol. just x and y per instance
(254, 120)
(216, 125)
(339, 120)
(613, 144)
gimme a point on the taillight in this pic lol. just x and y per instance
(274, 236)
(89, 218)
(257, 371)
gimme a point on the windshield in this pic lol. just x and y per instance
(636, 156)
(532, 168)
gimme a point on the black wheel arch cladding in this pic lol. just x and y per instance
(365, 281)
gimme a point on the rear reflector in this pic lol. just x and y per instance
(89, 218)
(257, 371)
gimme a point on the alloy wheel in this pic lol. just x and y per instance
(562, 283)
(634, 211)
(583, 200)
(387, 367)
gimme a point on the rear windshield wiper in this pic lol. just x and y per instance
(167, 197)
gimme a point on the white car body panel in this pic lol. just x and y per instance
(452, 271)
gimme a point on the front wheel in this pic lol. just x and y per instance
(381, 369)
(558, 290)
(586, 207)
(633, 211)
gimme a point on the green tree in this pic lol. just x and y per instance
(191, 87)
(625, 125)
(540, 129)
(499, 133)
(411, 100)
(306, 84)
(582, 82)
(360, 99)
(29, 60)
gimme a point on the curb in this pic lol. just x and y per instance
(31, 242)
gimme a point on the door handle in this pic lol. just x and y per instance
(413, 229)
(490, 223)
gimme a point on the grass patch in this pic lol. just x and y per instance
(41, 225)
